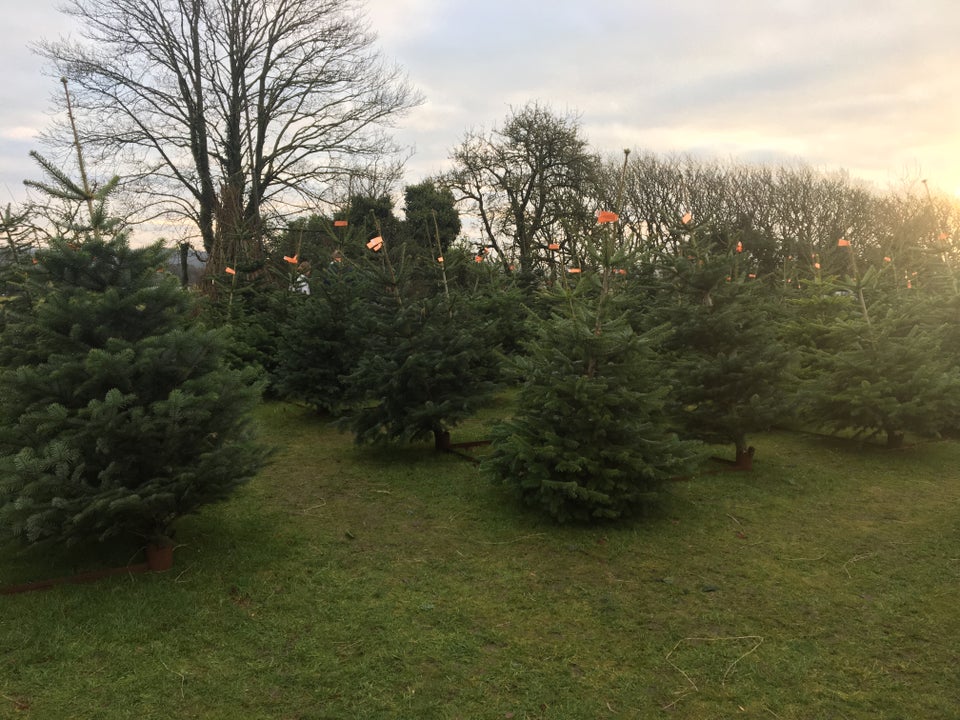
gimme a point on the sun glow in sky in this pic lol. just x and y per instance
(868, 86)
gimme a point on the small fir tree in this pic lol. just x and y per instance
(590, 438)
(727, 358)
(255, 310)
(320, 342)
(117, 413)
(426, 361)
(876, 362)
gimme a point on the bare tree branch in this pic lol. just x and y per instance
(264, 97)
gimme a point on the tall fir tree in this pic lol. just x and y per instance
(430, 215)
(117, 412)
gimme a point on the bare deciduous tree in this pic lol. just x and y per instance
(225, 109)
(526, 183)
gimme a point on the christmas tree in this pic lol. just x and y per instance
(427, 360)
(117, 412)
(590, 439)
(727, 359)
(320, 343)
(16, 256)
(875, 360)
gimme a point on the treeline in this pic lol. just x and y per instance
(535, 184)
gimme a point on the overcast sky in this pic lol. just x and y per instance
(870, 86)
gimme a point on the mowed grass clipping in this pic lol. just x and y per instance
(351, 582)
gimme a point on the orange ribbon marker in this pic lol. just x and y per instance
(606, 216)
(886, 259)
(292, 260)
(553, 246)
(230, 271)
(843, 243)
(687, 217)
(340, 223)
(375, 243)
(739, 247)
(478, 259)
(816, 266)
(440, 259)
(573, 270)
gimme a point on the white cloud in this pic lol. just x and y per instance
(400, 22)
(19, 132)
(867, 85)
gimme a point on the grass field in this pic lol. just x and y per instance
(350, 582)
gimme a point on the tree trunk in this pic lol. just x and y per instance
(184, 264)
(441, 440)
(894, 440)
(744, 459)
(208, 202)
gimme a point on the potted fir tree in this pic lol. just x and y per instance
(118, 414)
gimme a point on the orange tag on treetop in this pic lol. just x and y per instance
(230, 271)
(573, 270)
(553, 246)
(340, 223)
(292, 260)
(842, 242)
(606, 216)
(375, 243)
(687, 217)
(739, 247)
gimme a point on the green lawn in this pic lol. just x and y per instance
(349, 582)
